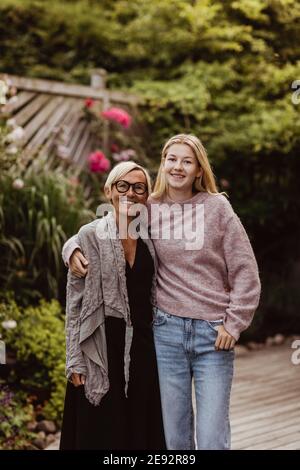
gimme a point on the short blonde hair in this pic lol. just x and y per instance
(205, 183)
(121, 169)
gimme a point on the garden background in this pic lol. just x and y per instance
(223, 70)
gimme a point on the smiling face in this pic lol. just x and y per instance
(181, 167)
(123, 201)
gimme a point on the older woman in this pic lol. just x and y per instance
(112, 397)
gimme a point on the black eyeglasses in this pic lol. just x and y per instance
(123, 186)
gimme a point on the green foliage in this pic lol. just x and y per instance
(38, 344)
(64, 39)
(15, 413)
(35, 221)
(6, 160)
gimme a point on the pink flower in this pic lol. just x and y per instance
(98, 163)
(89, 102)
(118, 115)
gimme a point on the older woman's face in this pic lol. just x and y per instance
(123, 197)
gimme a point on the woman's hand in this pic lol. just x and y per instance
(78, 264)
(224, 339)
(77, 379)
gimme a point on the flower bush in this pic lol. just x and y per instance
(121, 146)
(36, 348)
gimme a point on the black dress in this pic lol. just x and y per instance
(119, 422)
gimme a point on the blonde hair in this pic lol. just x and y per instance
(206, 182)
(121, 169)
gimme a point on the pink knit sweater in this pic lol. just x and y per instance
(218, 280)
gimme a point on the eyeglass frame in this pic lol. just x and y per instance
(129, 186)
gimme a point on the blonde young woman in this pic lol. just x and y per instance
(206, 295)
(112, 398)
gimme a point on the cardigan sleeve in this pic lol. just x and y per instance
(243, 277)
(74, 357)
(69, 247)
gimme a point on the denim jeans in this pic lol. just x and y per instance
(185, 351)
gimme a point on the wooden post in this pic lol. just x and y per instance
(98, 82)
(98, 79)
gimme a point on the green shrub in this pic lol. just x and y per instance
(15, 413)
(38, 344)
(35, 221)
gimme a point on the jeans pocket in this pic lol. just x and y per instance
(159, 317)
(214, 324)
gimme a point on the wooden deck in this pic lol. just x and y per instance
(265, 403)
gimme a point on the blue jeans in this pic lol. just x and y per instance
(185, 351)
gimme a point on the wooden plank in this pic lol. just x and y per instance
(90, 146)
(23, 97)
(82, 144)
(259, 385)
(265, 410)
(260, 413)
(249, 417)
(46, 129)
(268, 370)
(258, 435)
(49, 145)
(69, 89)
(295, 445)
(270, 359)
(31, 109)
(106, 125)
(71, 128)
(256, 405)
(267, 397)
(268, 366)
(76, 137)
(268, 422)
(40, 118)
(274, 443)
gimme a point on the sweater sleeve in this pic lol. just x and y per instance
(243, 278)
(69, 247)
(74, 357)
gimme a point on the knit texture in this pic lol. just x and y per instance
(220, 280)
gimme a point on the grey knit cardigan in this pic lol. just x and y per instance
(101, 293)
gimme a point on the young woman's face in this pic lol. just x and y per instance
(181, 167)
(123, 197)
